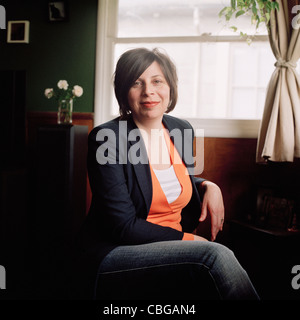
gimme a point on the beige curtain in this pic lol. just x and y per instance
(279, 136)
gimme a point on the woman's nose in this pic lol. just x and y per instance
(148, 89)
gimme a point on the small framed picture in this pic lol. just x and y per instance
(57, 11)
(18, 31)
(274, 210)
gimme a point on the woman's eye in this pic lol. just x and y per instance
(137, 84)
(158, 82)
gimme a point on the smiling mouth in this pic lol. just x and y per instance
(150, 104)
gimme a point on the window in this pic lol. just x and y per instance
(222, 79)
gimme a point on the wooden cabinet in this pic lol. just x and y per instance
(61, 173)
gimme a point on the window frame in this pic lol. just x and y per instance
(107, 39)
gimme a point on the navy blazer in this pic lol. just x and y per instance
(122, 193)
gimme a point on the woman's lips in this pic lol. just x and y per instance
(150, 104)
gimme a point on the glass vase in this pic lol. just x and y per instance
(65, 110)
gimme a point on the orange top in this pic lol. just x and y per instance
(169, 214)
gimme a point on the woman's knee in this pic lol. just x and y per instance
(222, 252)
(215, 253)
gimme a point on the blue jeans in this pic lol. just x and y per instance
(173, 270)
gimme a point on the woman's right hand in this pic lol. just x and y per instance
(198, 238)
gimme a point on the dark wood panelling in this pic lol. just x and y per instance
(230, 163)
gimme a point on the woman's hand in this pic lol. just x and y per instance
(213, 203)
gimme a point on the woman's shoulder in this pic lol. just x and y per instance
(175, 122)
(111, 125)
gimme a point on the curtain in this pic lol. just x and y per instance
(279, 136)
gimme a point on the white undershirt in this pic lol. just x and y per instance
(169, 183)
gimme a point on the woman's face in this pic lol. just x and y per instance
(149, 97)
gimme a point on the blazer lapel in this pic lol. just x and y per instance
(142, 170)
(184, 144)
(185, 151)
(178, 143)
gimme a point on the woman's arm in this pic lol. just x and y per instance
(212, 203)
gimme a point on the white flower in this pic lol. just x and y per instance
(63, 84)
(49, 93)
(77, 91)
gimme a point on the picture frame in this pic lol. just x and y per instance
(57, 11)
(274, 210)
(18, 31)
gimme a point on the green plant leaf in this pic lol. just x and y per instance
(261, 5)
(275, 5)
(239, 13)
(259, 11)
(222, 12)
(233, 2)
(228, 14)
(267, 17)
(269, 6)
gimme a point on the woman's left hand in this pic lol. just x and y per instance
(213, 203)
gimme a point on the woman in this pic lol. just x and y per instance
(146, 203)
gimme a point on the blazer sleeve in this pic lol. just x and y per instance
(114, 210)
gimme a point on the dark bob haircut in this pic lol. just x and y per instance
(129, 68)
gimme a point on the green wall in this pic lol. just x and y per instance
(56, 51)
